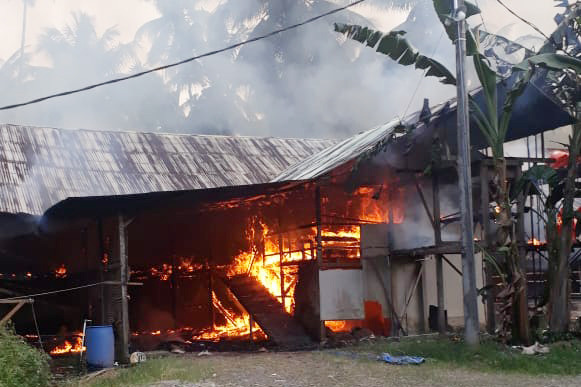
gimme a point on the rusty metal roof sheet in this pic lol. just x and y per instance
(42, 166)
(334, 156)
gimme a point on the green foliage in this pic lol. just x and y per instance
(154, 370)
(490, 356)
(20, 364)
(551, 61)
(445, 14)
(397, 47)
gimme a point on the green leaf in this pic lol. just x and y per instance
(444, 10)
(488, 80)
(398, 48)
(511, 98)
(555, 62)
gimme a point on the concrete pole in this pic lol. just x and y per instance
(465, 183)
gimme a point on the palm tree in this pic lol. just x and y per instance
(493, 126)
(258, 87)
(79, 56)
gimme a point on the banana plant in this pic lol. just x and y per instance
(494, 126)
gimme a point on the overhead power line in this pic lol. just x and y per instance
(191, 59)
(524, 20)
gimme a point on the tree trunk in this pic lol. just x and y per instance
(559, 318)
(506, 238)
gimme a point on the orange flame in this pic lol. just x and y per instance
(61, 272)
(535, 242)
(68, 348)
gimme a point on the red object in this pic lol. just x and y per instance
(374, 320)
(561, 158)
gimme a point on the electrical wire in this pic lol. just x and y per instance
(191, 59)
(55, 291)
(524, 20)
(36, 326)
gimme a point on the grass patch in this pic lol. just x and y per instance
(153, 370)
(564, 358)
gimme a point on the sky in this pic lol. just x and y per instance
(128, 15)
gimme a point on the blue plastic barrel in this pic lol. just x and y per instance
(100, 344)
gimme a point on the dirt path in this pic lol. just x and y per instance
(304, 369)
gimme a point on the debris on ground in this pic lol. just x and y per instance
(204, 353)
(137, 357)
(535, 349)
(174, 348)
(401, 360)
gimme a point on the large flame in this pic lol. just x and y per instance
(68, 347)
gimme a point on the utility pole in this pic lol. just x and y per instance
(465, 182)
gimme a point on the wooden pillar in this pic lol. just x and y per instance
(523, 300)
(124, 274)
(439, 258)
(281, 268)
(211, 299)
(102, 313)
(488, 268)
(318, 216)
(173, 285)
(319, 226)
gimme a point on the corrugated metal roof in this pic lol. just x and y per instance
(42, 166)
(325, 161)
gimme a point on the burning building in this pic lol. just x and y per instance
(189, 239)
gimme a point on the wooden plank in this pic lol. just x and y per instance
(443, 248)
(12, 312)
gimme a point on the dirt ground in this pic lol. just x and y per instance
(302, 369)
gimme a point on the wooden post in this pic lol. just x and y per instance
(211, 299)
(319, 226)
(251, 323)
(439, 258)
(281, 268)
(103, 314)
(173, 285)
(323, 329)
(19, 303)
(484, 216)
(124, 334)
(522, 304)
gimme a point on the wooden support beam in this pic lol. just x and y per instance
(442, 248)
(439, 257)
(452, 265)
(425, 203)
(18, 304)
(124, 274)
(412, 291)
(322, 328)
(522, 304)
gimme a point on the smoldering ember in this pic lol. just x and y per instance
(121, 245)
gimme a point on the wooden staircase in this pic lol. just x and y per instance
(280, 327)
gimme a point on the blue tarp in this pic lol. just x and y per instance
(401, 360)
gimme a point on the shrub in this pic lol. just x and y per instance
(20, 364)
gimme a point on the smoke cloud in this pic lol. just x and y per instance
(308, 82)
